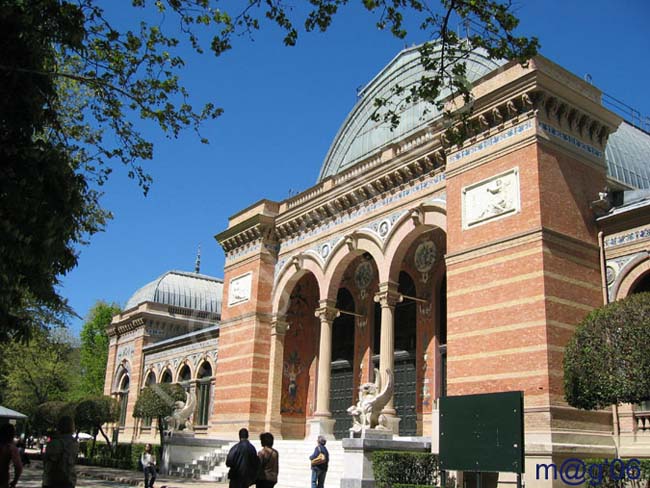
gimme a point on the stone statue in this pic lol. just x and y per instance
(366, 413)
(180, 417)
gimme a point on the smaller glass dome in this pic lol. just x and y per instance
(181, 289)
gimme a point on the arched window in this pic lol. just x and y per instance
(166, 377)
(123, 397)
(204, 381)
(150, 381)
(184, 377)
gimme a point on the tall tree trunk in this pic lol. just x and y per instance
(108, 441)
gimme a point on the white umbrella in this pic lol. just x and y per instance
(84, 437)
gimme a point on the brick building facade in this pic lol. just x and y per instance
(462, 269)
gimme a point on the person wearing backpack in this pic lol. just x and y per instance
(320, 460)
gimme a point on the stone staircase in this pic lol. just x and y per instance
(295, 469)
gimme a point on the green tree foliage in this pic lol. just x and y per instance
(43, 370)
(607, 362)
(92, 413)
(46, 416)
(73, 84)
(157, 401)
(93, 352)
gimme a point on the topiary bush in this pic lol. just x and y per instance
(400, 469)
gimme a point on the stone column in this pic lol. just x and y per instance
(388, 297)
(273, 420)
(322, 423)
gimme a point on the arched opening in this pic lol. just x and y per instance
(643, 285)
(204, 394)
(342, 369)
(299, 357)
(149, 381)
(123, 398)
(405, 356)
(184, 377)
(166, 377)
(419, 327)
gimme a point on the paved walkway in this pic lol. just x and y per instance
(122, 477)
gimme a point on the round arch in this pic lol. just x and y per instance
(290, 274)
(406, 230)
(124, 368)
(628, 281)
(184, 371)
(149, 378)
(344, 253)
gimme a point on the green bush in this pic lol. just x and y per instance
(399, 469)
(601, 477)
(126, 455)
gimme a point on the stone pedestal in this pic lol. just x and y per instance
(320, 426)
(357, 457)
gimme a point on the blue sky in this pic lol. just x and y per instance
(283, 107)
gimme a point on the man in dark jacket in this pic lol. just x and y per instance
(243, 462)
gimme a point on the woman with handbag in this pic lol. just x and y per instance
(319, 462)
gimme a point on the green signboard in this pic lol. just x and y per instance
(482, 432)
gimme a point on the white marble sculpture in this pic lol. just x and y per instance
(180, 417)
(366, 414)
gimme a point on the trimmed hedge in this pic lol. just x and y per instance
(400, 469)
(126, 455)
(639, 468)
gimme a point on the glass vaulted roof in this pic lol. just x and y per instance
(627, 152)
(181, 289)
(628, 156)
(360, 136)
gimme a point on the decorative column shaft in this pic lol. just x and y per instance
(387, 297)
(273, 420)
(326, 313)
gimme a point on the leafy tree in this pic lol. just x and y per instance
(92, 413)
(46, 415)
(607, 362)
(73, 84)
(157, 401)
(43, 370)
(94, 349)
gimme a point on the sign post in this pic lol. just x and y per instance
(483, 433)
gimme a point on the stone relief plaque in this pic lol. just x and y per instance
(239, 290)
(493, 198)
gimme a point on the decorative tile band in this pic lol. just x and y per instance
(364, 210)
(629, 237)
(549, 129)
(491, 141)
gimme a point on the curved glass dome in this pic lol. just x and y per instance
(628, 156)
(359, 136)
(181, 289)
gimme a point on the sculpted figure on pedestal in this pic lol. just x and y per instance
(366, 414)
(180, 417)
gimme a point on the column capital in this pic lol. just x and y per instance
(327, 311)
(279, 325)
(387, 296)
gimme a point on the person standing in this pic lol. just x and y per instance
(9, 455)
(61, 457)
(320, 460)
(148, 461)
(243, 462)
(269, 462)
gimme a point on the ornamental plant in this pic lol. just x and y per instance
(157, 401)
(607, 361)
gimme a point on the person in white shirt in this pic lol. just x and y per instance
(148, 461)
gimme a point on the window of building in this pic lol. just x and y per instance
(203, 384)
(184, 377)
(166, 377)
(123, 397)
(150, 381)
